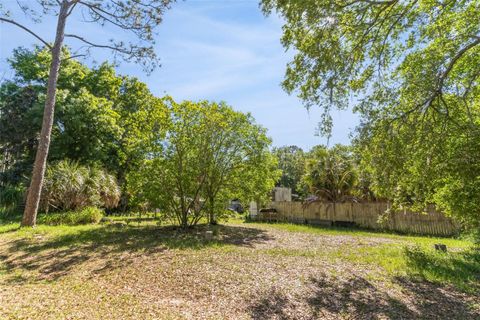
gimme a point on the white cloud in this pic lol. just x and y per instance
(212, 58)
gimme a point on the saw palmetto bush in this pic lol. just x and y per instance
(71, 186)
(11, 198)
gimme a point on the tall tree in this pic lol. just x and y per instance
(101, 118)
(237, 154)
(138, 16)
(291, 160)
(413, 69)
(209, 155)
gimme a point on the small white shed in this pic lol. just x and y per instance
(282, 194)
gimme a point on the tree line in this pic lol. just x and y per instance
(116, 145)
(190, 158)
(411, 70)
(324, 174)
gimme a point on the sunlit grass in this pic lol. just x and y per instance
(407, 256)
(401, 256)
(356, 232)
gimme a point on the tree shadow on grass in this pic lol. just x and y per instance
(58, 256)
(434, 301)
(355, 297)
(461, 269)
(273, 305)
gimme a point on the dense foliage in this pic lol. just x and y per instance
(102, 119)
(411, 68)
(326, 174)
(291, 160)
(70, 186)
(435, 163)
(139, 17)
(209, 155)
(330, 173)
(419, 50)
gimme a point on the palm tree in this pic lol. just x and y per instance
(71, 186)
(330, 174)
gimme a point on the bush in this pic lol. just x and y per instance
(85, 216)
(473, 235)
(70, 187)
(11, 198)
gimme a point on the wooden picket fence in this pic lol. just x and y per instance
(363, 215)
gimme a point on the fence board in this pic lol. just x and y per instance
(366, 215)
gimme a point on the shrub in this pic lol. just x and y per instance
(473, 235)
(85, 216)
(70, 186)
(11, 197)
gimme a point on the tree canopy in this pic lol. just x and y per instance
(102, 118)
(209, 155)
(414, 54)
(411, 69)
(140, 17)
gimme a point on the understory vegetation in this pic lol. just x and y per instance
(87, 215)
(70, 186)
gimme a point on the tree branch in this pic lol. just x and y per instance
(105, 46)
(454, 60)
(74, 56)
(26, 29)
(438, 90)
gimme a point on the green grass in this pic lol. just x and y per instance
(136, 236)
(357, 232)
(86, 215)
(146, 256)
(459, 268)
(402, 256)
(409, 256)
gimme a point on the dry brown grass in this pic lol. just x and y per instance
(248, 271)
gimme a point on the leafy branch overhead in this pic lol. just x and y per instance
(411, 69)
(377, 53)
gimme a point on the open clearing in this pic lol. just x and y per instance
(249, 270)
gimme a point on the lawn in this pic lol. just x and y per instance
(248, 270)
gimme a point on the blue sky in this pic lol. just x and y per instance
(221, 50)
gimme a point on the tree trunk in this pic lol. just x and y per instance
(34, 192)
(212, 219)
